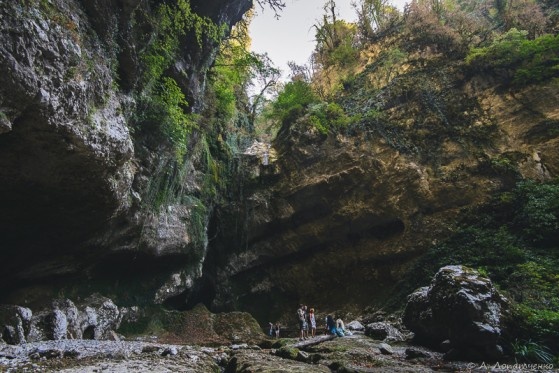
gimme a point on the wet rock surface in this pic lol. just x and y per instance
(384, 331)
(356, 353)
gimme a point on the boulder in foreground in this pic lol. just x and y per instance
(461, 306)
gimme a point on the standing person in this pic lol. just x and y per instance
(306, 323)
(312, 322)
(277, 330)
(301, 319)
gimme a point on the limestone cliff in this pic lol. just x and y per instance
(79, 169)
(94, 199)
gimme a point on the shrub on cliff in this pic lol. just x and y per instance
(162, 103)
(514, 56)
(292, 101)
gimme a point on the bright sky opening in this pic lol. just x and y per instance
(291, 37)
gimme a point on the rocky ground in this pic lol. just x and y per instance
(356, 353)
(197, 340)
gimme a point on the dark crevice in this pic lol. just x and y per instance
(89, 332)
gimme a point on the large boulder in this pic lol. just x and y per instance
(461, 306)
(355, 326)
(384, 331)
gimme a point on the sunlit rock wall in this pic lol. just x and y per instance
(338, 220)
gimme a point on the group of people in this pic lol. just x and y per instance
(336, 327)
(307, 325)
(307, 320)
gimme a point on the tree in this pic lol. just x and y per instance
(299, 72)
(523, 15)
(276, 5)
(374, 16)
(326, 34)
(335, 39)
(264, 77)
(428, 29)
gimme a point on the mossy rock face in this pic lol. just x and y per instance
(196, 326)
(238, 327)
(287, 352)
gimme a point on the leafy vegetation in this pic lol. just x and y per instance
(335, 39)
(531, 352)
(162, 103)
(292, 101)
(526, 61)
(416, 57)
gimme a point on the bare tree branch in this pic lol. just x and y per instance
(276, 5)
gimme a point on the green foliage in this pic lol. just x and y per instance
(230, 75)
(495, 250)
(298, 99)
(328, 117)
(198, 221)
(538, 215)
(170, 24)
(166, 184)
(292, 101)
(528, 61)
(225, 99)
(535, 322)
(170, 105)
(504, 165)
(531, 352)
(336, 44)
(335, 39)
(346, 53)
(213, 169)
(427, 24)
(374, 16)
(162, 103)
(534, 283)
(387, 65)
